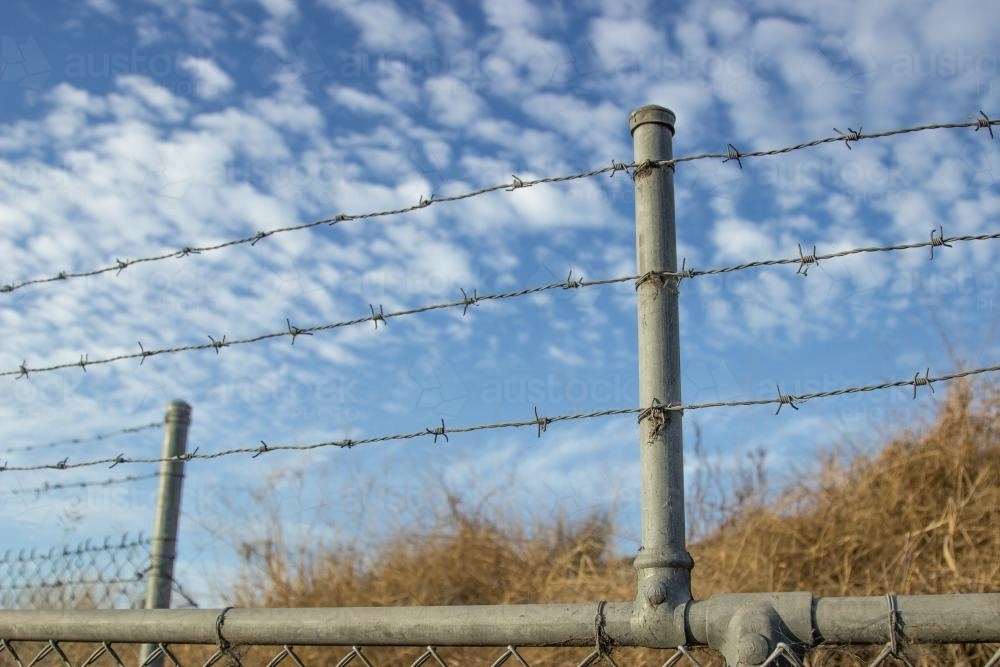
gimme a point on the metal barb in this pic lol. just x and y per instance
(543, 423)
(939, 240)
(733, 154)
(218, 344)
(806, 261)
(377, 317)
(468, 301)
(295, 331)
(984, 123)
(440, 431)
(924, 381)
(518, 183)
(785, 400)
(850, 135)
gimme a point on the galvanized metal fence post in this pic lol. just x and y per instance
(168, 513)
(663, 564)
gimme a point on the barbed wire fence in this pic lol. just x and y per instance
(755, 629)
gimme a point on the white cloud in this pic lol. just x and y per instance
(451, 101)
(384, 25)
(360, 101)
(158, 103)
(210, 80)
(280, 9)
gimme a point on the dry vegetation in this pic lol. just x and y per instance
(922, 515)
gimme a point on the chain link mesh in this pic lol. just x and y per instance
(66, 654)
(88, 576)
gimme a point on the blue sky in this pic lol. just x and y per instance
(130, 129)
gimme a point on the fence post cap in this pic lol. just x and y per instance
(652, 113)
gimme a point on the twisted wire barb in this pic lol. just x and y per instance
(731, 154)
(379, 315)
(655, 410)
(91, 438)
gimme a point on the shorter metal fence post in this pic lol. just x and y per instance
(168, 514)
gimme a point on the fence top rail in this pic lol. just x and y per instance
(973, 618)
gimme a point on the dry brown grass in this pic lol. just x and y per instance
(922, 515)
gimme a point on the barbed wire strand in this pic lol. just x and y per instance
(540, 422)
(91, 438)
(516, 183)
(804, 261)
(47, 487)
(85, 547)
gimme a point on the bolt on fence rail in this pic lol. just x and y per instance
(747, 629)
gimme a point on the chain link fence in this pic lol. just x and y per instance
(108, 575)
(23, 654)
(104, 575)
(81, 606)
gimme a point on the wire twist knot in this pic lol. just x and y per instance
(850, 135)
(805, 261)
(783, 400)
(924, 381)
(984, 123)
